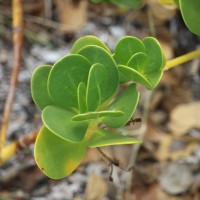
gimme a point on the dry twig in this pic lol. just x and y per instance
(18, 42)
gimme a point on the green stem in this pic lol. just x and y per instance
(182, 59)
(92, 126)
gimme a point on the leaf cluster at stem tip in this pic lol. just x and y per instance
(80, 94)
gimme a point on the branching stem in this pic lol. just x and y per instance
(113, 162)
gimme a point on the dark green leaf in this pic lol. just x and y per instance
(126, 102)
(65, 77)
(97, 115)
(39, 87)
(145, 67)
(59, 121)
(82, 97)
(131, 74)
(87, 41)
(95, 86)
(102, 138)
(97, 54)
(126, 48)
(190, 10)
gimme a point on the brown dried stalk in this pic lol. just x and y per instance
(17, 12)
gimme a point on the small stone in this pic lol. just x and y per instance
(176, 178)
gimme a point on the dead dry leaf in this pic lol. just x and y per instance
(72, 14)
(185, 117)
(162, 12)
(96, 188)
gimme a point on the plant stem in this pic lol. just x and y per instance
(90, 130)
(17, 42)
(112, 161)
(23, 142)
(182, 59)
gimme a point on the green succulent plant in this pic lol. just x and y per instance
(79, 95)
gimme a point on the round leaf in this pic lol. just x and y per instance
(56, 157)
(190, 10)
(126, 48)
(102, 138)
(86, 41)
(126, 102)
(58, 120)
(98, 55)
(39, 87)
(64, 79)
(154, 53)
(146, 67)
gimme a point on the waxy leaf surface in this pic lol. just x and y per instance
(56, 157)
(134, 75)
(97, 54)
(65, 77)
(190, 10)
(39, 87)
(126, 102)
(82, 97)
(126, 48)
(97, 115)
(143, 67)
(95, 86)
(59, 121)
(86, 41)
(102, 138)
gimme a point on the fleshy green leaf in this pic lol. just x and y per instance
(126, 48)
(126, 102)
(39, 87)
(190, 10)
(65, 77)
(82, 97)
(56, 157)
(97, 115)
(131, 74)
(145, 67)
(95, 86)
(58, 120)
(102, 138)
(86, 41)
(154, 53)
(98, 55)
